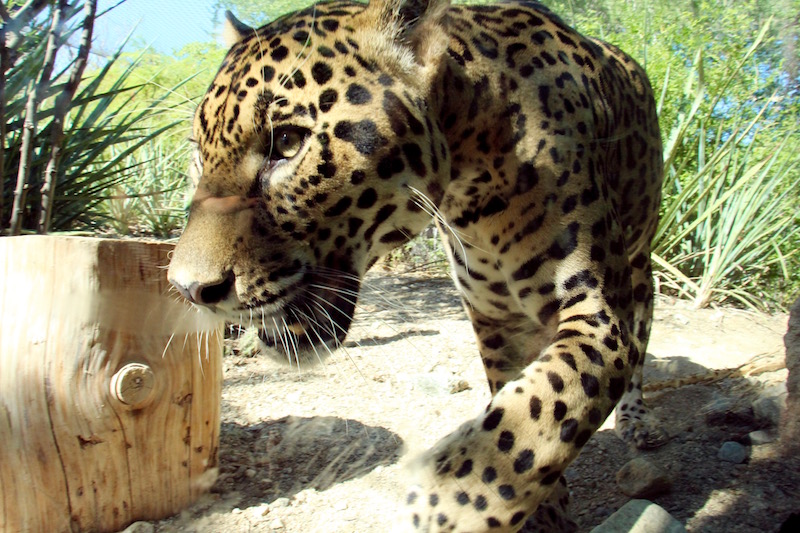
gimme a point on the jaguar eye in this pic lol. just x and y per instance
(287, 142)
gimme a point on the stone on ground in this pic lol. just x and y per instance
(640, 516)
(139, 527)
(770, 405)
(725, 411)
(732, 452)
(761, 436)
(640, 478)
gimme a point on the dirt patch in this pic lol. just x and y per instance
(322, 449)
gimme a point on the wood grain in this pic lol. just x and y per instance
(74, 455)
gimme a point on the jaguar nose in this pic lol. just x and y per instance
(206, 293)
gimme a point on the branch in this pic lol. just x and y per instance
(36, 90)
(62, 106)
(3, 68)
(19, 19)
(26, 12)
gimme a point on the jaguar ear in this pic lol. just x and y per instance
(417, 24)
(411, 14)
(234, 30)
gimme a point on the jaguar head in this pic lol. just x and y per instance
(318, 153)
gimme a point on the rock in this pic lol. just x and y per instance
(340, 506)
(259, 511)
(640, 478)
(306, 495)
(280, 502)
(139, 527)
(276, 525)
(715, 411)
(459, 385)
(721, 411)
(790, 425)
(640, 516)
(761, 437)
(732, 452)
(770, 405)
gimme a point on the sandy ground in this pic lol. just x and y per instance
(323, 449)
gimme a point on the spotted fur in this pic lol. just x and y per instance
(335, 134)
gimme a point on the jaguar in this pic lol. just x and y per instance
(337, 133)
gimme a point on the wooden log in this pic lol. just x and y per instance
(109, 386)
(790, 421)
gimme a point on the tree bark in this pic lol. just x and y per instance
(62, 105)
(26, 152)
(3, 69)
(790, 424)
(17, 21)
(788, 35)
(36, 91)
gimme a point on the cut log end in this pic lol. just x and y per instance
(134, 385)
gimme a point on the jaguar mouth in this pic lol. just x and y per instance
(312, 324)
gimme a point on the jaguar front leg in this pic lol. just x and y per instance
(508, 346)
(494, 471)
(635, 424)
